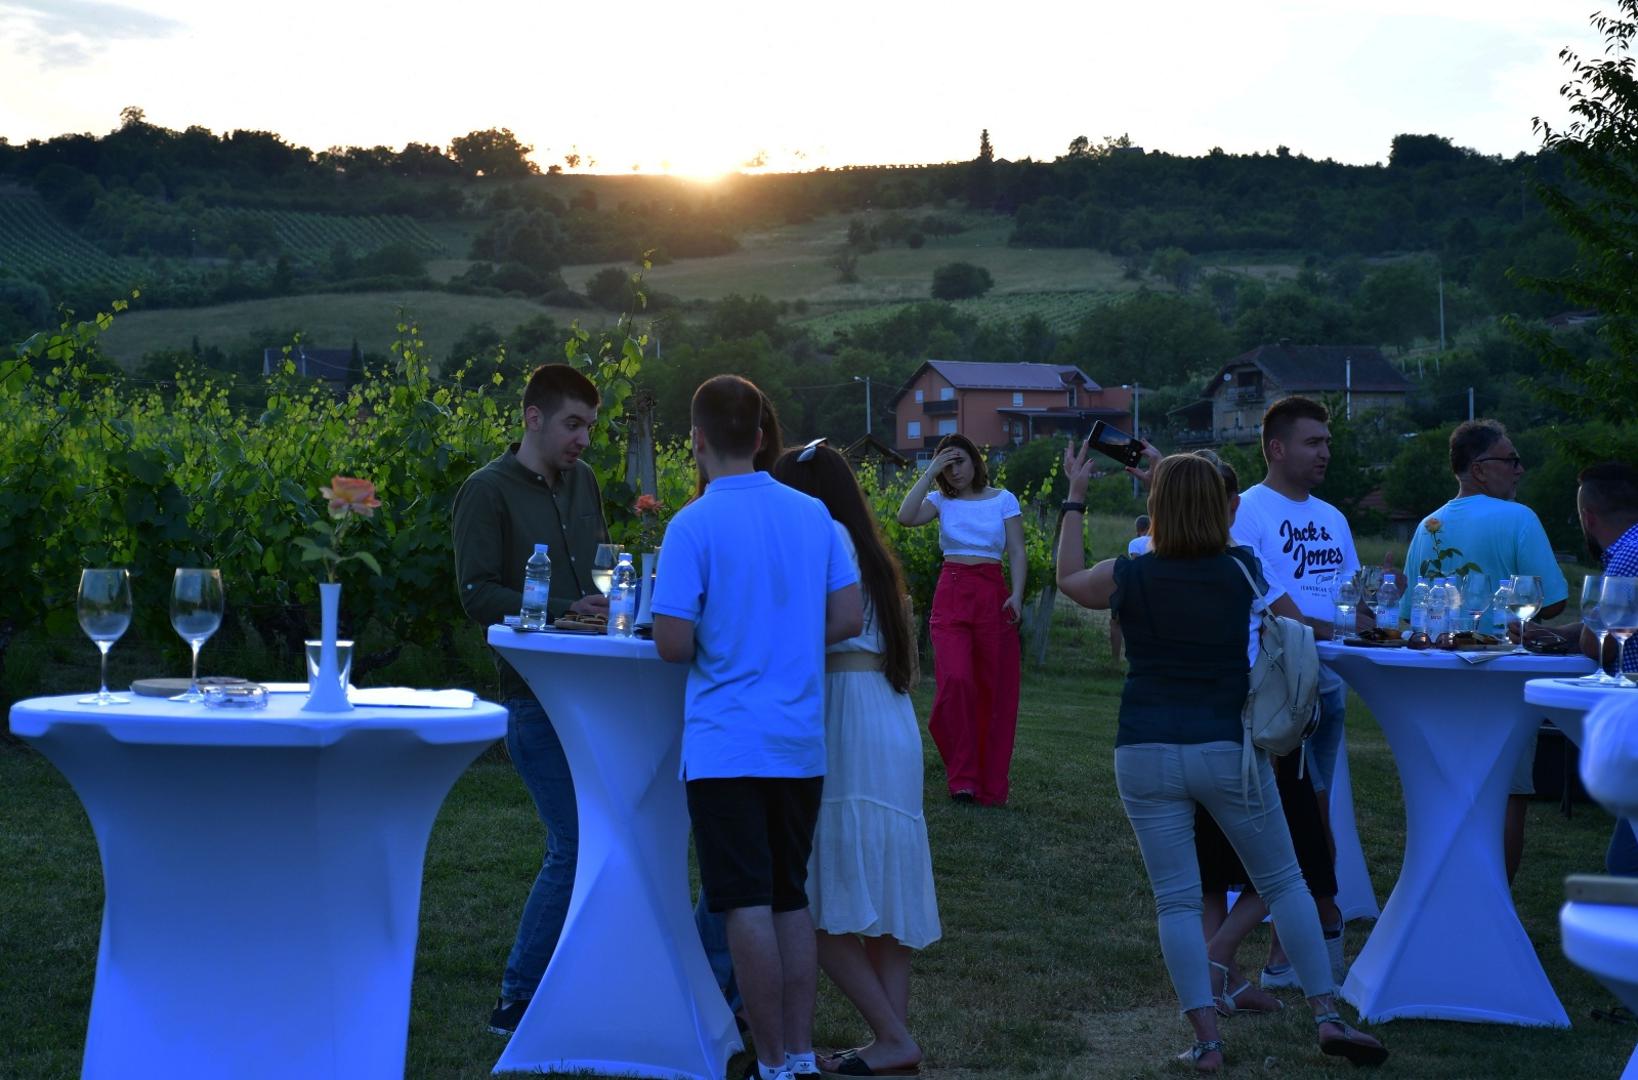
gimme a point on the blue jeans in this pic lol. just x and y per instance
(1327, 738)
(1160, 783)
(713, 927)
(538, 758)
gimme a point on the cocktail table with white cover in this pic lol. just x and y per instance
(628, 990)
(1603, 938)
(1449, 944)
(262, 877)
(1566, 702)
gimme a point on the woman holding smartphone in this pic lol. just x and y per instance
(975, 616)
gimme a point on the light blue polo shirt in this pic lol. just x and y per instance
(1503, 538)
(750, 563)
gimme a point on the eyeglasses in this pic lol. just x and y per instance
(807, 451)
(1512, 461)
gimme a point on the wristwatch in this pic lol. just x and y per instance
(1072, 508)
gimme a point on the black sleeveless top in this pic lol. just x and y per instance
(1186, 623)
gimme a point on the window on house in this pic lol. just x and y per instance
(946, 427)
(913, 429)
(918, 397)
(1017, 399)
(947, 394)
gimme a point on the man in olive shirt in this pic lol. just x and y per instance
(538, 491)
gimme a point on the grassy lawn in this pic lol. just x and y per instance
(329, 320)
(1049, 967)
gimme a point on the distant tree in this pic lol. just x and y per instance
(981, 175)
(986, 152)
(1400, 302)
(1156, 338)
(1079, 146)
(1174, 266)
(735, 316)
(610, 288)
(1414, 151)
(1418, 480)
(859, 238)
(492, 152)
(1601, 146)
(846, 264)
(961, 281)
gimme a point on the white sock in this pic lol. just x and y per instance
(802, 1064)
(768, 1072)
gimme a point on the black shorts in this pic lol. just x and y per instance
(753, 836)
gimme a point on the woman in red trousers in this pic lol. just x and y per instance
(975, 618)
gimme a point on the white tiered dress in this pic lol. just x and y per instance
(871, 872)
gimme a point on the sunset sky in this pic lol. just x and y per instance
(701, 88)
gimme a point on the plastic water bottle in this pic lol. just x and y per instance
(1438, 605)
(1453, 605)
(537, 590)
(1419, 606)
(1387, 604)
(623, 598)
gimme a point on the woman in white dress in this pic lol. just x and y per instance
(870, 879)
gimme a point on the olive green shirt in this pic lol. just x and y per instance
(500, 514)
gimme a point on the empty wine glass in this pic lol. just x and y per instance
(1593, 619)
(196, 613)
(603, 567)
(1523, 600)
(104, 608)
(1475, 596)
(1618, 604)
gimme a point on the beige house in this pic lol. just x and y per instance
(1233, 401)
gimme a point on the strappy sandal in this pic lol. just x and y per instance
(1348, 1046)
(1193, 1054)
(849, 1063)
(1226, 1002)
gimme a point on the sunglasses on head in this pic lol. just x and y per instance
(806, 453)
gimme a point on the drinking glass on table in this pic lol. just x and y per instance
(603, 567)
(196, 614)
(104, 608)
(1618, 604)
(1523, 600)
(1592, 617)
(1475, 596)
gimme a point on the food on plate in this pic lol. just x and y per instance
(596, 621)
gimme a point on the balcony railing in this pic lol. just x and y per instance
(1246, 394)
(938, 408)
(1195, 438)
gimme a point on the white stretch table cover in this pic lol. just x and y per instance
(1602, 939)
(1356, 898)
(1566, 703)
(1449, 945)
(628, 991)
(262, 873)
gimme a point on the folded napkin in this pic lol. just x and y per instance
(405, 696)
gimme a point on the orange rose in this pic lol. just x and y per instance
(1431, 525)
(350, 495)
(646, 504)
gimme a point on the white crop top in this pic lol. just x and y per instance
(974, 526)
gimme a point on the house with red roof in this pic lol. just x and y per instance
(1000, 404)
(1233, 400)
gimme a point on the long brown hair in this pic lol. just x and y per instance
(1188, 508)
(981, 474)
(827, 477)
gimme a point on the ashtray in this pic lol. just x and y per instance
(240, 696)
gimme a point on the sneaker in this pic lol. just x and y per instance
(506, 1016)
(754, 1072)
(1280, 978)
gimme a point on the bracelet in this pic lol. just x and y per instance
(1072, 508)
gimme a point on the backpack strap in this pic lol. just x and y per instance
(1248, 753)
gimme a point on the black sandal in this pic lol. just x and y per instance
(1358, 1053)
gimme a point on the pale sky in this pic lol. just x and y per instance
(699, 88)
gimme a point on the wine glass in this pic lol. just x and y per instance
(196, 613)
(104, 607)
(1475, 596)
(1592, 617)
(603, 567)
(1523, 600)
(1618, 604)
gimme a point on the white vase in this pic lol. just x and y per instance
(327, 693)
(645, 611)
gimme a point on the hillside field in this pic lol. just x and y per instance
(329, 320)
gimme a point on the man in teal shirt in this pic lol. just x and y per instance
(1502, 537)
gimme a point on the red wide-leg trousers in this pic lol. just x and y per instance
(975, 672)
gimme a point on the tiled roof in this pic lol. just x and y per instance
(982, 375)
(1319, 368)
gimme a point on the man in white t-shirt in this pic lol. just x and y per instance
(1307, 552)
(753, 584)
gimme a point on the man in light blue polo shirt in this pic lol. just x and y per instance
(754, 582)
(1503, 538)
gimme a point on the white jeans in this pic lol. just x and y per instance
(1160, 783)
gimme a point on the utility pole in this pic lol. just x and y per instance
(866, 380)
(1470, 403)
(1441, 313)
(1137, 424)
(1348, 385)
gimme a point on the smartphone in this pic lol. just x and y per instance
(1116, 443)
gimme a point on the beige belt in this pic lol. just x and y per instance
(852, 661)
